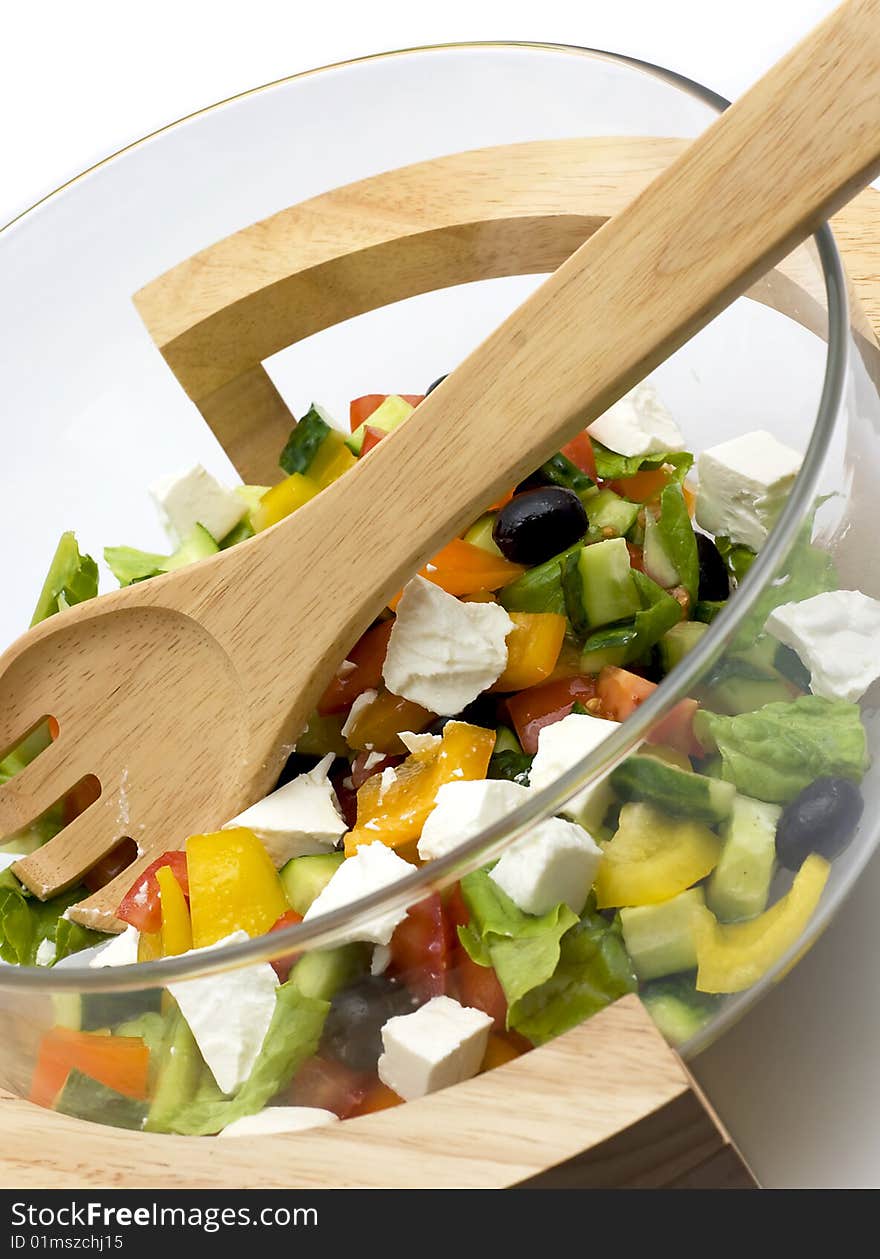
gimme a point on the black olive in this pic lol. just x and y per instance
(434, 383)
(295, 765)
(483, 711)
(353, 1027)
(534, 481)
(822, 818)
(714, 578)
(536, 525)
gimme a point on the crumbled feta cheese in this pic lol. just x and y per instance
(837, 636)
(279, 1119)
(347, 667)
(638, 424)
(561, 745)
(443, 653)
(228, 1014)
(463, 809)
(743, 484)
(195, 498)
(387, 779)
(440, 1044)
(380, 960)
(45, 953)
(122, 950)
(554, 863)
(298, 819)
(374, 759)
(372, 867)
(419, 742)
(363, 701)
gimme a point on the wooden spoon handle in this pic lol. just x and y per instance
(760, 179)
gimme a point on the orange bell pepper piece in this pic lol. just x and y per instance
(119, 1062)
(462, 569)
(377, 727)
(642, 487)
(380, 1097)
(533, 648)
(368, 657)
(498, 1051)
(396, 815)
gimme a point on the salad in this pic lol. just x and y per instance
(686, 874)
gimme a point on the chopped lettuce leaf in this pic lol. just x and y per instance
(129, 565)
(678, 538)
(594, 969)
(292, 1037)
(613, 467)
(659, 612)
(72, 578)
(773, 753)
(807, 571)
(738, 559)
(26, 922)
(73, 937)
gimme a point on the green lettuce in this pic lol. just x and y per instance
(512, 765)
(26, 922)
(778, 750)
(679, 541)
(73, 937)
(128, 564)
(659, 612)
(613, 467)
(738, 559)
(808, 571)
(293, 1037)
(555, 969)
(72, 578)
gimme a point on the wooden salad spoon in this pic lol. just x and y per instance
(185, 693)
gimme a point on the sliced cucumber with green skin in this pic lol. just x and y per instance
(480, 534)
(198, 546)
(539, 589)
(706, 610)
(660, 938)
(321, 973)
(678, 641)
(674, 791)
(303, 878)
(559, 470)
(506, 741)
(85, 1098)
(658, 562)
(734, 695)
(387, 416)
(598, 586)
(606, 648)
(677, 1008)
(305, 441)
(739, 886)
(178, 1076)
(607, 510)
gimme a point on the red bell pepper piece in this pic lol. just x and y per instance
(142, 903)
(282, 965)
(540, 706)
(360, 409)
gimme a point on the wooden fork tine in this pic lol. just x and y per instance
(98, 911)
(38, 786)
(60, 864)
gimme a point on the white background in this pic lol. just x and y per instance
(796, 1080)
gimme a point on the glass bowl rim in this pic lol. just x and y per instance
(486, 845)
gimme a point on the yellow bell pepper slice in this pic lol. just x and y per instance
(233, 886)
(149, 946)
(653, 857)
(733, 956)
(176, 927)
(533, 647)
(396, 815)
(332, 458)
(282, 499)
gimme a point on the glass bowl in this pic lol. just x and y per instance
(97, 416)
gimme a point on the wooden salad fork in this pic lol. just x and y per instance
(184, 694)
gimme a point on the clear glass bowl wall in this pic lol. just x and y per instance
(94, 415)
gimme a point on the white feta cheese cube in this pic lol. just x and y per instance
(561, 745)
(638, 424)
(374, 759)
(380, 960)
(45, 953)
(228, 1014)
(122, 950)
(463, 809)
(300, 818)
(276, 1119)
(837, 636)
(372, 867)
(195, 498)
(440, 1044)
(419, 742)
(553, 864)
(387, 779)
(363, 701)
(743, 485)
(443, 653)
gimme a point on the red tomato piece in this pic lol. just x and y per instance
(346, 795)
(379, 1097)
(142, 903)
(367, 656)
(580, 452)
(106, 870)
(421, 949)
(621, 692)
(360, 409)
(330, 1086)
(372, 437)
(282, 965)
(473, 985)
(540, 706)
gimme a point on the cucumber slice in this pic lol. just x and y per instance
(539, 589)
(734, 695)
(706, 610)
(677, 1008)
(506, 741)
(198, 546)
(660, 938)
(85, 1098)
(305, 441)
(178, 1076)
(598, 586)
(387, 416)
(658, 562)
(739, 886)
(678, 641)
(321, 973)
(480, 534)
(674, 791)
(303, 878)
(607, 510)
(559, 470)
(607, 647)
